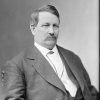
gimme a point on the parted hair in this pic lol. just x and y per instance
(46, 8)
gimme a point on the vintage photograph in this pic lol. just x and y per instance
(49, 49)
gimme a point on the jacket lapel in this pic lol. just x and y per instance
(76, 72)
(44, 68)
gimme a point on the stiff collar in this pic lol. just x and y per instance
(44, 50)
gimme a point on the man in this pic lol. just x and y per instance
(47, 71)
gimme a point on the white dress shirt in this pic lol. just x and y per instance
(55, 61)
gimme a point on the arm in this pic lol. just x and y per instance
(14, 82)
(92, 89)
(89, 86)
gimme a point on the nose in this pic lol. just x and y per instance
(51, 30)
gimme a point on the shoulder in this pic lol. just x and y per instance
(71, 58)
(16, 64)
(16, 60)
(70, 54)
(22, 56)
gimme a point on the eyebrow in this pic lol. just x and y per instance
(53, 24)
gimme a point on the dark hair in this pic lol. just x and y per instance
(47, 8)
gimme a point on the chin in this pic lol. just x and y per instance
(51, 45)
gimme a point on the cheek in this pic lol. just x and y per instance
(40, 34)
(56, 33)
(43, 33)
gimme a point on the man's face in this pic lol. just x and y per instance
(47, 30)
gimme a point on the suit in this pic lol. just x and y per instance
(29, 76)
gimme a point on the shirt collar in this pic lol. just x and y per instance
(44, 50)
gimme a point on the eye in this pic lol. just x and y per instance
(56, 26)
(45, 25)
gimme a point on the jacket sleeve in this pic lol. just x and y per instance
(14, 82)
(92, 90)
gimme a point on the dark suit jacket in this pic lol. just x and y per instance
(30, 77)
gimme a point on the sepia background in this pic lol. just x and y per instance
(78, 29)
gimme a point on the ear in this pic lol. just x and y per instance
(32, 27)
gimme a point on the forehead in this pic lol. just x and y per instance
(48, 17)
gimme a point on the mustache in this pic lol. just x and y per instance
(52, 37)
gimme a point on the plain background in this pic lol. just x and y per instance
(78, 29)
